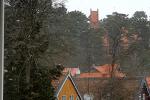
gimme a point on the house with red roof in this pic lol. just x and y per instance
(103, 71)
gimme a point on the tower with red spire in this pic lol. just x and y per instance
(94, 19)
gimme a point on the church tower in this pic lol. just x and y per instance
(94, 19)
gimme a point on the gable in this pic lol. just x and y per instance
(66, 87)
(68, 90)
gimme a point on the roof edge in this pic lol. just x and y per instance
(65, 79)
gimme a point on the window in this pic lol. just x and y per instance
(71, 97)
(77, 98)
(64, 97)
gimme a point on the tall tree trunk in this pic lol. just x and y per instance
(28, 74)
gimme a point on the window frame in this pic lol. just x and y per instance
(71, 97)
(63, 98)
(77, 98)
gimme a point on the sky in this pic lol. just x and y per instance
(106, 7)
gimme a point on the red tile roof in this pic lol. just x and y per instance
(93, 75)
(103, 72)
(105, 69)
(73, 71)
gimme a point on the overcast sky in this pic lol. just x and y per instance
(108, 6)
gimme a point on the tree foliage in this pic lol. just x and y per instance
(26, 41)
(40, 34)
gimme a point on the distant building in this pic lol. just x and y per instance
(94, 19)
(103, 71)
(65, 88)
(73, 71)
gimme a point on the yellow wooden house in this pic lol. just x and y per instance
(66, 89)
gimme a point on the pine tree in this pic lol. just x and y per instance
(26, 77)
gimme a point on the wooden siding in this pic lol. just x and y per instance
(67, 90)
